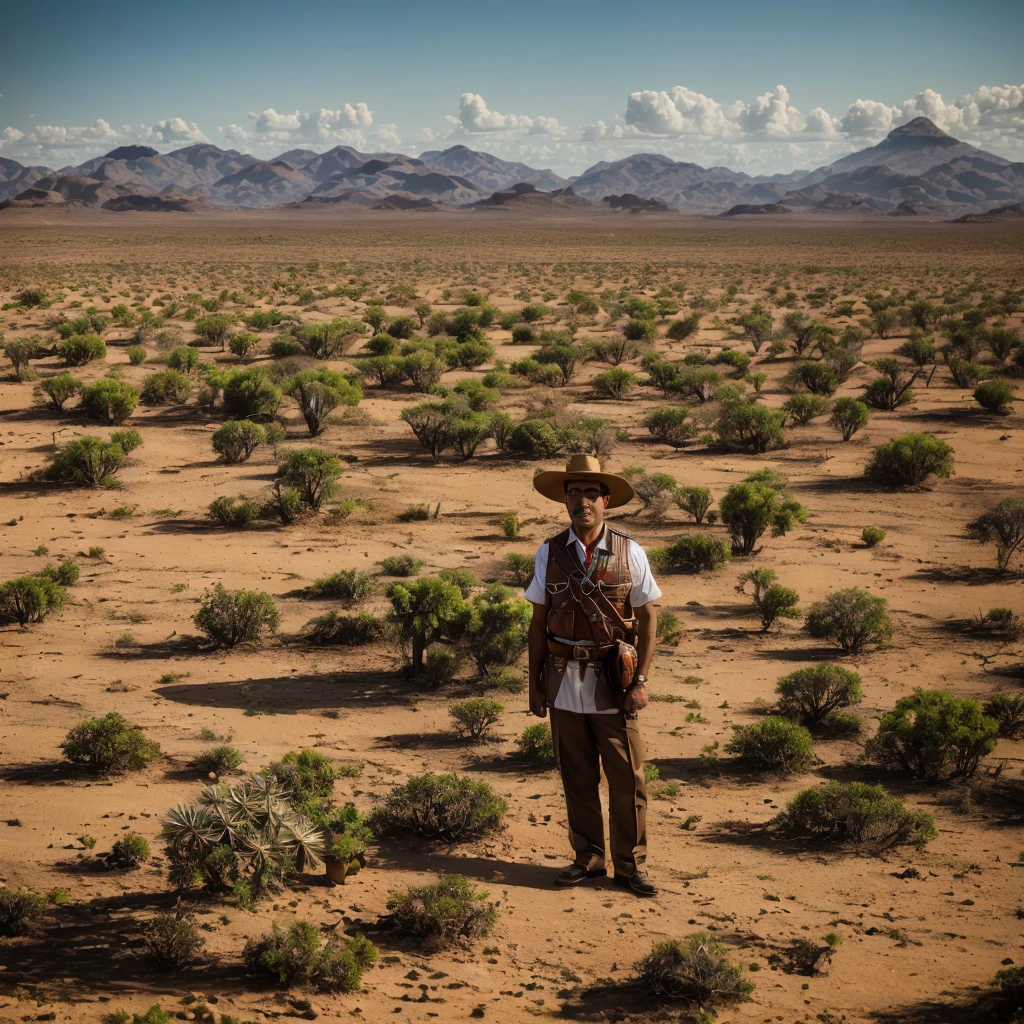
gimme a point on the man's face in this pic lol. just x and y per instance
(585, 503)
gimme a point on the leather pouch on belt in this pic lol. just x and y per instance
(622, 662)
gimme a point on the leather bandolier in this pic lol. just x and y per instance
(578, 628)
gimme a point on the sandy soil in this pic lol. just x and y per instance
(907, 943)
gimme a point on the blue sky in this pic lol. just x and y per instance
(561, 84)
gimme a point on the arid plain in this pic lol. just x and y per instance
(919, 945)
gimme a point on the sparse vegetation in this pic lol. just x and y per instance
(695, 971)
(443, 913)
(773, 744)
(298, 956)
(442, 807)
(909, 460)
(812, 695)
(173, 941)
(475, 717)
(850, 619)
(110, 745)
(233, 617)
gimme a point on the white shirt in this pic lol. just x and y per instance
(575, 693)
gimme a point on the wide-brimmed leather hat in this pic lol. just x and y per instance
(583, 467)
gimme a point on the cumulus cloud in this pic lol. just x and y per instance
(176, 130)
(344, 125)
(476, 118)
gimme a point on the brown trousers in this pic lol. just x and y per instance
(583, 744)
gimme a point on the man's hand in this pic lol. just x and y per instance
(538, 704)
(636, 697)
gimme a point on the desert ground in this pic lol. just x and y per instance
(916, 946)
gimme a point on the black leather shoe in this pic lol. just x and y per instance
(576, 873)
(638, 882)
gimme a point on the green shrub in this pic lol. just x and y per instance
(440, 666)
(494, 628)
(1009, 983)
(818, 378)
(213, 328)
(518, 567)
(297, 957)
(284, 347)
(750, 425)
(26, 599)
(909, 460)
(695, 971)
(182, 359)
(534, 439)
(81, 349)
(872, 536)
(251, 395)
(232, 617)
(668, 627)
(64, 574)
(536, 743)
(108, 401)
(19, 910)
(1008, 711)
(236, 440)
(231, 512)
(995, 396)
(810, 695)
(462, 578)
(1004, 524)
(679, 330)
(136, 355)
(443, 913)
(346, 585)
(109, 745)
(423, 612)
(173, 941)
(615, 383)
(699, 552)
(60, 388)
(773, 744)
(90, 461)
(696, 501)
(218, 760)
(671, 425)
(850, 619)
(414, 514)
(242, 343)
(168, 387)
(848, 416)
(129, 851)
(447, 808)
(934, 735)
(772, 601)
(749, 509)
(856, 813)
(308, 775)
(344, 630)
(400, 565)
(510, 525)
(319, 393)
(20, 351)
(313, 472)
(387, 370)
(474, 718)
(803, 407)
(327, 340)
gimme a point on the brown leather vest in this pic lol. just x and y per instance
(608, 571)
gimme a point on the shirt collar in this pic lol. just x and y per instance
(603, 543)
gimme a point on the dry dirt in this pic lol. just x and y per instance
(911, 948)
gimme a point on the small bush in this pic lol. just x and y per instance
(474, 718)
(772, 601)
(995, 396)
(236, 440)
(700, 552)
(108, 401)
(773, 744)
(28, 599)
(136, 355)
(751, 508)
(856, 813)
(510, 525)
(440, 666)
(810, 695)
(668, 627)
(81, 349)
(934, 735)
(536, 743)
(232, 617)
(60, 388)
(750, 425)
(461, 578)
(803, 407)
(19, 910)
(90, 461)
(400, 565)
(242, 343)
(414, 514)
(671, 425)
(168, 387)
(850, 619)
(1003, 524)
(251, 395)
(218, 760)
(232, 512)
(344, 630)
(872, 536)
(129, 851)
(109, 745)
(909, 460)
(448, 808)
(65, 574)
(313, 472)
(615, 383)
(173, 941)
(296, 956)
(1008, 711)
(696, 501)
(533, 439)
(346, 585)
(308, 774)
(848, 416)
(695, 971)
(183, 359)
(442, 914)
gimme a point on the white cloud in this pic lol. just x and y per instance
(344, 125)
(868, 117)
(475, 117)
(388, 135)
(176, 130)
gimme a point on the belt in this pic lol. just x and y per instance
(579, 652)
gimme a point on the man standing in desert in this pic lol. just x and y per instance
(592, 639)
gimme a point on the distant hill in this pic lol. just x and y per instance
(1015, 211)
(917, 170)
(398, 201)
(634, 204)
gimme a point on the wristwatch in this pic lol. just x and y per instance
(641, 679)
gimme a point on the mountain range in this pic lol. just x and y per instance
(916, 170)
